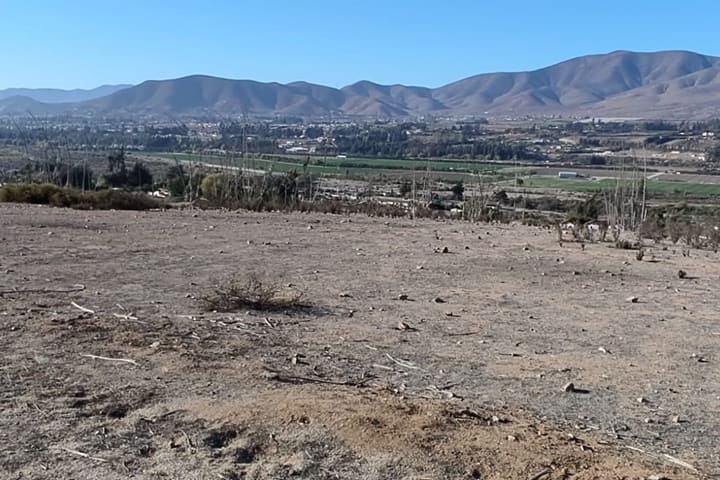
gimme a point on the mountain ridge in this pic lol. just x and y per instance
(620, 83)
(57, 95)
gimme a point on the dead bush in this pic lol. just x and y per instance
(48, 194)
(250, 292)
(627, 245)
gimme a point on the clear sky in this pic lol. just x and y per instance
(87, 43)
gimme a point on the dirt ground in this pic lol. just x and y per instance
(409, 363)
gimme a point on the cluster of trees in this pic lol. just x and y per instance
(119, 176)
(266, 130)
(713, 153)
(78, 176)
(394, 142)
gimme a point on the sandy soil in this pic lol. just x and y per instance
(470, 387)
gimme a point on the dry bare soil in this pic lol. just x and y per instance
(462, 378)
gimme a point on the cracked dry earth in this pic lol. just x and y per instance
(411, 363)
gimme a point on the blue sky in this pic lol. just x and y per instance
(84, 43)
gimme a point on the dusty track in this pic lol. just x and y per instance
(473, 388)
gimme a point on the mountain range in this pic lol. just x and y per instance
(55, 95)
(667, 84)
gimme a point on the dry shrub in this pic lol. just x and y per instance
(48, 194)
(251, 292)
(118, 200)
(627, 245)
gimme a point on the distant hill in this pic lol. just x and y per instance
(53, 95)
(668, 84)
(20, 105)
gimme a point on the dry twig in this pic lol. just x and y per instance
(129, 318)
(666, 457)
(108, 359)
(74, 288)
(540, 475)
(83, 455)
(295, 378)
(81, 308)
(403, 363)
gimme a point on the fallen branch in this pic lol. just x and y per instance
(463, 334)
(128, 318)
(108, 359)
(540, 475)
(74, 288)
(81, 308)
(83, 455)
(160, 417)
(295, 379)
(403, 363)
(666, 457)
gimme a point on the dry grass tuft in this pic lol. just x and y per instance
(251, 292)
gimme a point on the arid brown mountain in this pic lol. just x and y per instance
(584, 83)
(669, 84)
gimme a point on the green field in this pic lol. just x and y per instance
(663, 187)
(451, 170)
(400, 164)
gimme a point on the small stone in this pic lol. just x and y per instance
(345, 295)
(445, 250)
(699, 358)
(403, 327)
(632, 299)
(682, 274)
(657, 477)
(569, 387)
(512, 438)
(438, 300)
(403, 296)
(642, 400)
